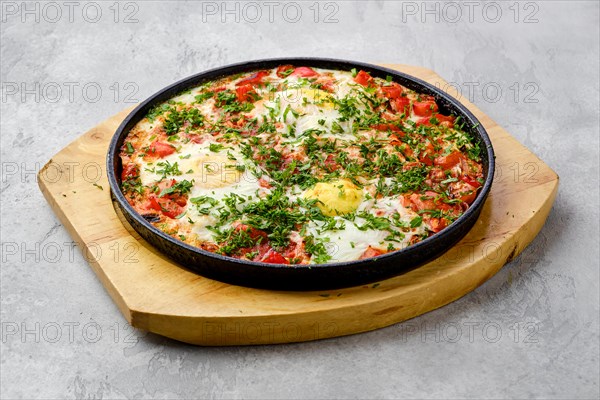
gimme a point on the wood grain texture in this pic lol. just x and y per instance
(155, 294)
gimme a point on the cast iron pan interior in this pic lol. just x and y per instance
(301, 277)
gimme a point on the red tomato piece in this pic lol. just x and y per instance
(445, 120)
(165, 184)
(153, 203)
(392, 91)
(252, 232)
(170, 205)
(273, 257)
(304, 72)
(245, 93)
(448, 161)
(284, 70)
(330, 163)
(254, 79)
(371, 252)
(363, 78)
(264, 183)
(469, 198)
(395, 140)
(160, 149)
(129, 171)
(293, 250)
(170, 208)
(326, 83)
(165, 205)
(386, 127)
(471, 181)
(401, 105)
(426, 157)
(463, 190)
(418, 203)
(194, 137)
(437, 224)
(425, 108)
(424, 121)
(407, 151)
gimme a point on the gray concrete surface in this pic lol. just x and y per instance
(530, 331)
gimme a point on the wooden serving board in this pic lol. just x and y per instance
(157, 295)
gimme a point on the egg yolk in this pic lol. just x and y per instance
(336, 198)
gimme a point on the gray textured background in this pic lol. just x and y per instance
(535, 324)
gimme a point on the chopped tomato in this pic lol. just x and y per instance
(284, 70)
(330, 163)
(153, 203)
(196, 138)
(448, 161)
(392, 91)
(363, 78)
(471, 181)
(401, 105)
(395, 140)
(165, 184)
(171, 209)
(294, 250)
(406, 151)
(410, 165)
(264, 183)
(405, 200)
(371, 252)
(386, 127)
(469, 198)
(425, 108)
(463, 190)
(304, 72)
(444, 120)
(129, 171)
(424, 121)
(252, 232)
(245, 93)
(254, 79)
(437, 174)
(426, 156)
(326, 83)
(437, 224)
(166, 206)
(180, 200)
(160, 149)
(422, 202)
(273, 257)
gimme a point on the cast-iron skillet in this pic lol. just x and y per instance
(301, 277)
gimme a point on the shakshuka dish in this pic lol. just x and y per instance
(300, 165)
